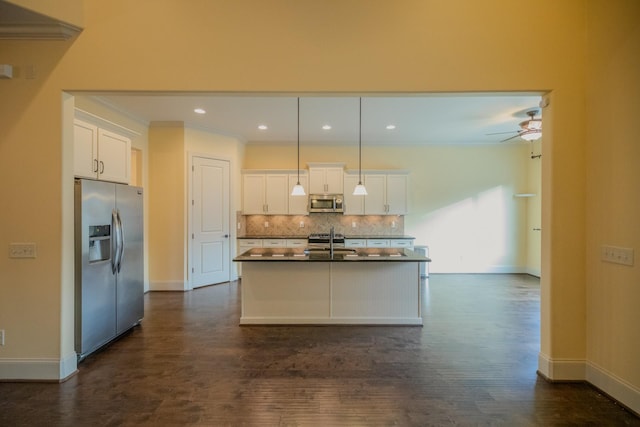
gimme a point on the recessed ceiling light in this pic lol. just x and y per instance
(326, 127)
(199, 110)
(262, 127)
(391, 127)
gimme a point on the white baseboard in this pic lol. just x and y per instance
(533, 271)
(562, 369)
(38, 369)
(617, 388)
(167, 285)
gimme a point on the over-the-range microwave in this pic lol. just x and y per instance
(326, 203)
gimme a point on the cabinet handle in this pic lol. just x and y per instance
(95, 162)
(102, 167)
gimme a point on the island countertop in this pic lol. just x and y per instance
(340, 255)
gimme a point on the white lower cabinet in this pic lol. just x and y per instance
(379, 243)
(401, 243)
(244, 245)
(296, 243)
(355, 243)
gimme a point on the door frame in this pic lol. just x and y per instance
(189, 209)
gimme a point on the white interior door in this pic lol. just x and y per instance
(210, 253)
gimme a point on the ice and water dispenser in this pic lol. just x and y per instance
(99, 242)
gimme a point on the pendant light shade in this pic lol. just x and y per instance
(360, 189)
(298, 189)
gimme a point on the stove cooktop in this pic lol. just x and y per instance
(324, 238)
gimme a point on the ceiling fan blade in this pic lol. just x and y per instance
(511, 137)
(501, 133)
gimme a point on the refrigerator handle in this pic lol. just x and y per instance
(120, 240)
(114, 241)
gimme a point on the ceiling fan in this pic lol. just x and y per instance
(530, 129)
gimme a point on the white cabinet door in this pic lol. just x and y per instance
(355, 243)
(334, 180)
(85, 149)
(274, 243)
(276, 194)
(100, 154)
(326, 180)
(375, 200)
(401, 243)
(296, 243)
(378, 243)
(298, 204)
(396, 193)
(353, 205)
(253, 188)
(316, 181)
(114, 157)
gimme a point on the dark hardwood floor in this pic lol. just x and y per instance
(189, 363)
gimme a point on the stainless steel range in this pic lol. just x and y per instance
(323, 240)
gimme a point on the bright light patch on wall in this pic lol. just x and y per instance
(326, 127)
(472, 235)
(262, 127)
(199, 110)
(391, 127)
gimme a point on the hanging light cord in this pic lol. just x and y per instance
(298, 142)
(360, 146)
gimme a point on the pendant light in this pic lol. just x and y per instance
(298, 189)
(360, 190)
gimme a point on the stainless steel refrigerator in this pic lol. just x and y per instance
(109, 276)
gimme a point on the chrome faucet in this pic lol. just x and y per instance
(331, 236)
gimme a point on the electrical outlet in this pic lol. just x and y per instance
(266, 224)
(617, 255)
(1, 336)
(393, 224)
(301, 224)
(353, 224)
(239, 226)
(22, 250)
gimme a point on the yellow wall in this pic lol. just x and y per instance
(613, 199)
(461, 197)
(167, 197)
(341, 46)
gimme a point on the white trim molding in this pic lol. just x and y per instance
(38, 369)
(561, 369)
(619, 389)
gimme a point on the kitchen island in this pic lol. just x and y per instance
(364, 286)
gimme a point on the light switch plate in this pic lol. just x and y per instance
(617, 255)
(22, 250)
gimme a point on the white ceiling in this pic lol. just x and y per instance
(419, 118)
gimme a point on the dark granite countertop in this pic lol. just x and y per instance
(274, 237)
(340, 255)
(346, 236)
(369, 236)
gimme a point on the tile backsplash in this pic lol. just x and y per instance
(290, 225)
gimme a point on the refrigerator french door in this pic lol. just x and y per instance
(109, 277)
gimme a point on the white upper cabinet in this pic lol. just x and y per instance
(375, 202)
(298, 205)
(101, 154)
(386, 194)
(326, 179)
(265, 193)
(353, 205)
(397, 194)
